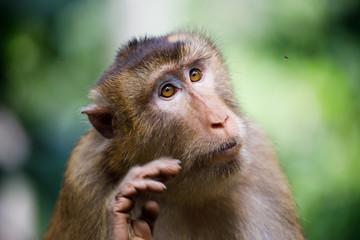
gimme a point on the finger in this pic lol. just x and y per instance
(133, 188)
(157, 168)
(120, 229)
(149, 213)
(140, 230)
(120, 211)
(122, 204)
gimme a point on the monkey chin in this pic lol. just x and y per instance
(228, 162)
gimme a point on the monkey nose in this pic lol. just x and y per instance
(219, 123)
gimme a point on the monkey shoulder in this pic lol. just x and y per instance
(265, 191)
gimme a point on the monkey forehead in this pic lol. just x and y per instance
(146, 54)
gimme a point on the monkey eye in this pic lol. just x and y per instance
(195, 74)
(167, 91)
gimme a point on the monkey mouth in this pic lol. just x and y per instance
(230, 147)
(233, 145)
(225, 155)
(225, 150)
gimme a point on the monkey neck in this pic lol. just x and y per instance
(205, 182)
(195, 193)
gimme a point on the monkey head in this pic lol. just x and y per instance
(169, 96)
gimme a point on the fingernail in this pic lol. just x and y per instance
(178, 161)
(163, 185)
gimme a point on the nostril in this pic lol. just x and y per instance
(217, 125)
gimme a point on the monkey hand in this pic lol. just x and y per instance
(139, 179)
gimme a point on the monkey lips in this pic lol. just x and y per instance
(226, 152)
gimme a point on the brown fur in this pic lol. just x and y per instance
(247, 198)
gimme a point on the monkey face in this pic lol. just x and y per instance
(189, 98)
(171, 96)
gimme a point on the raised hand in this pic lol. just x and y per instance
(139, 179)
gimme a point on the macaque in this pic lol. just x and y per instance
(170, 155)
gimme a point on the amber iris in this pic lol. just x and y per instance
(167, 91)
(195, 74)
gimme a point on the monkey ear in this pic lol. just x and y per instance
(101, 119)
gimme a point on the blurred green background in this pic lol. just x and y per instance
(295, 67)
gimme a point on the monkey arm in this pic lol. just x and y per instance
(92, 206)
